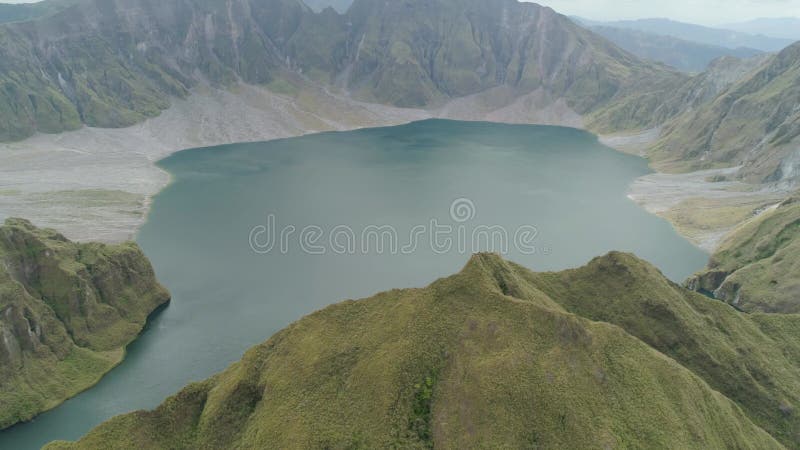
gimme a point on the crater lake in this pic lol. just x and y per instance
(251, 237)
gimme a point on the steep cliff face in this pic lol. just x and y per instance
(611, 354)
(112, 63)
(457, 48)
(66, 313)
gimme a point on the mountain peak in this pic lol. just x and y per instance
(422, 368)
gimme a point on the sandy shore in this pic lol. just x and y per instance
(97, 184)
(703, 206)
(703, 211)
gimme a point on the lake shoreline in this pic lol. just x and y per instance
(196, 235)
(107, 178)
(703, 206)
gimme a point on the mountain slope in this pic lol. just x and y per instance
(754, 123)
(485, 358)
(678, 53)
(66, 313)
(113, 63)
(737, 355)
(757, 267)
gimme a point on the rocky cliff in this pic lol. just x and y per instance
(115, 63)
(67, 311)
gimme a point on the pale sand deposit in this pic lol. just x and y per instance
(702, 211)
(97, 184)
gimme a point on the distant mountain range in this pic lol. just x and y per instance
(16, 12)
(679, 53)
(781, 27)
(697, 33)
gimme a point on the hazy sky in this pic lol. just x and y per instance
(709, 12)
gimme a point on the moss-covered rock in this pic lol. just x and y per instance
(67, 311)
(495, 357)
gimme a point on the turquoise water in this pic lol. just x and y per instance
(559, 182)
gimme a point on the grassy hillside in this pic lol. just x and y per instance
(737, 356)
(754, 123)
(67, 311)
(757, 267)
(495, 356)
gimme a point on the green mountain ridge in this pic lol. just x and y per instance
(67, 311)
(498, 356)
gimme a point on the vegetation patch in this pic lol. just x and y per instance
(67, 311)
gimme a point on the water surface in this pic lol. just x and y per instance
(226, 297)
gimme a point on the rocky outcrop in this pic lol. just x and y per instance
(756, 268)
(66, 313)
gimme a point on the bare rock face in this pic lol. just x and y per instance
(66, 313)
